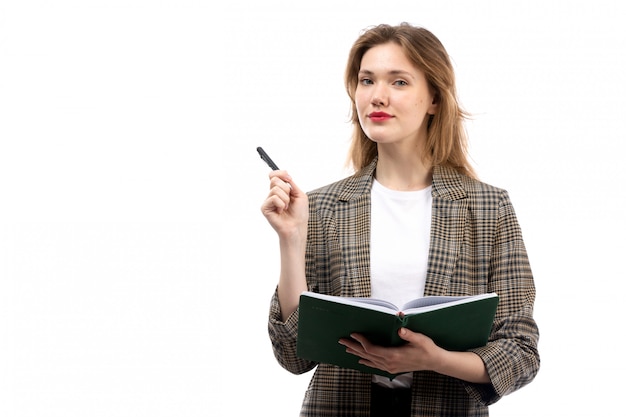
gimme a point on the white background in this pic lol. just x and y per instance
(135, 266)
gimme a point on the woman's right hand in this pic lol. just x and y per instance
(287, 210)
(286, 207)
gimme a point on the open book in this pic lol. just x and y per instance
(454, 323)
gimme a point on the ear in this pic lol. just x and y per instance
(432, 109)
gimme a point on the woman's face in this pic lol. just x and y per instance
(392, 97)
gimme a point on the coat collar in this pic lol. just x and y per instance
(447, 183)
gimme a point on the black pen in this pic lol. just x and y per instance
(267, 159)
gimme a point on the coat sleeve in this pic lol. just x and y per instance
(511, 356)
(284, 335)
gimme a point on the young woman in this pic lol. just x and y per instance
(412, 221)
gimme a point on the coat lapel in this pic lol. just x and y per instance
(449, 213)
(353, 226)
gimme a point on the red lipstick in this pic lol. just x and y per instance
(379, 116)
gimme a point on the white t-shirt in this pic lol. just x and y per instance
(400, 239)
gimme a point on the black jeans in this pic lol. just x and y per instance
(390, 402)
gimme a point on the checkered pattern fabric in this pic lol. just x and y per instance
(476, 246)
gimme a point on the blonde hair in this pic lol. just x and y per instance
(446, 142)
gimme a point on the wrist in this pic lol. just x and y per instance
(294, 241)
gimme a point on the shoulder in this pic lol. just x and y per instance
(352, 188)
(332, 190)
(451, 185)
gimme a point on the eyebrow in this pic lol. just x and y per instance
(392, 72)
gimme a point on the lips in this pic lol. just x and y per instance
(379, 116)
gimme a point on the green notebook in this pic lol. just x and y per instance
(454, 323)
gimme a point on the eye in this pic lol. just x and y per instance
(400, 83)
(366, 81)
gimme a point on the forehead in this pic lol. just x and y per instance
(385, 58)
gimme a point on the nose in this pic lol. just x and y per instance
(380, 97)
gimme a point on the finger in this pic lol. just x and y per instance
(273, 204)
(281, 175)
(352, 345)
(406, 334)
(364, 347)
(277, 182)
(286, 178)
(413, 337)
(361, 339)
(283, 191)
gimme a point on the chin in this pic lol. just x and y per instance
(381, 140)
(377, 137)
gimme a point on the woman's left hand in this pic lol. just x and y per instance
(419, 353)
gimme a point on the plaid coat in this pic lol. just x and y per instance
(476, 246)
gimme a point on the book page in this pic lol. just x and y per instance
(421, 304)
(430, 303)
(371, 303)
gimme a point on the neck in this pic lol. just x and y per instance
(402, 171)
